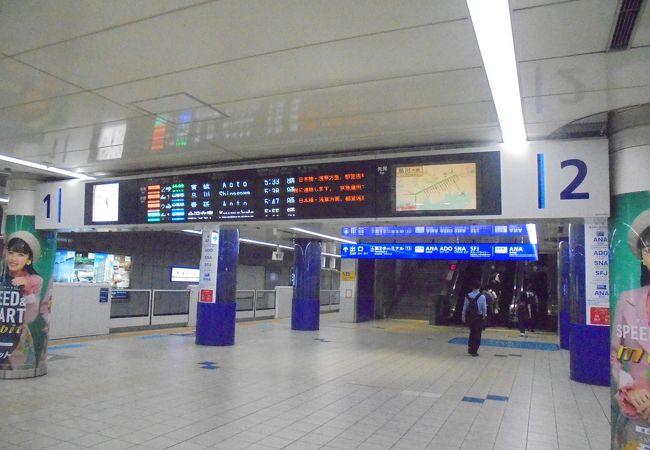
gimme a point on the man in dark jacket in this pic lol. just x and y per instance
(474, 312)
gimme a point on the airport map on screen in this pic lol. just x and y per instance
(435, 187)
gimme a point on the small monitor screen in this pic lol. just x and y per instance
(106, 202)
(435, 187)
(185, 274)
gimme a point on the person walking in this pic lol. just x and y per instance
(523, 313)
(474, 312)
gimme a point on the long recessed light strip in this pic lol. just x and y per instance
(52, 169)
(266, 244)
(491, 20)
(313, 233)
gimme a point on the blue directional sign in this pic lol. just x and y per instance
(502, 252)
(503, 230)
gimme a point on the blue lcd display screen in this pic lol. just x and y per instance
(501, 252)
(499, 230)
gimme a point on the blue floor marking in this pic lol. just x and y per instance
(208, 365)
(65, 346)
(510, 344)
(473, 400)
(153, 336)
(498, 398)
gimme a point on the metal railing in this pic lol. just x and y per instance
(150, 304)
(155, 306)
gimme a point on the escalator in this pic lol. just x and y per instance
(499, 276)
(418, 290)
(434, 290)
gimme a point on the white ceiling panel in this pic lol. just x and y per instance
(567, 28)
(397, 138)
(30, 24)
(207, 34)
(441, 123)
(147, 162)
(442, 89)
(401, 53)
(76, 110)
(523, 4)
(641, 36)
(22, 84)
(295, 77)
(541, 131)
(404, 53)
(584, 73)
(569, 107)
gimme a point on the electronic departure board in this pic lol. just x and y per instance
(452, 184)
(298, 192)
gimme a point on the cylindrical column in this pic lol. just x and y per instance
(577, 273)
(587, 343)
(563, 293)
(26, 274)
(629, 132)
(217, 308)
(305, 306)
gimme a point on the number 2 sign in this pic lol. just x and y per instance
(573, 182)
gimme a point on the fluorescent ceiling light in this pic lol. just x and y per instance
(52, 169)
(491, 20)
(266, 244)
(4, 199)
(313, 233)
(532, 233)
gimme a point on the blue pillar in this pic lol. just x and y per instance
(366, 290)
(588, 344)
(215, 321)
(305, 306)
(563, 292)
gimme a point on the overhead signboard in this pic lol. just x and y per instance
(478, 230)
(502, 252)
(551, 179)
(450, 184)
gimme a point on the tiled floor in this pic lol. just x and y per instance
(376, 385)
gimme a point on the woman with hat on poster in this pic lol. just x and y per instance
(630, 343)
(21, 252)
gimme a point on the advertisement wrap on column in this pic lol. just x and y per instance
(630, 333)
(25, 297)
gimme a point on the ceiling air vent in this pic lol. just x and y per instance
(625, 23)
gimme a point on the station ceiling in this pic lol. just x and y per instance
(123, 87)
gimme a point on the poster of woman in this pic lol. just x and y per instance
(630, 336)
(25, 295)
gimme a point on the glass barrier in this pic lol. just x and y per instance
(130, 303)
(169, 302)
(330, 299)
(245, 300)
(264, 300)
